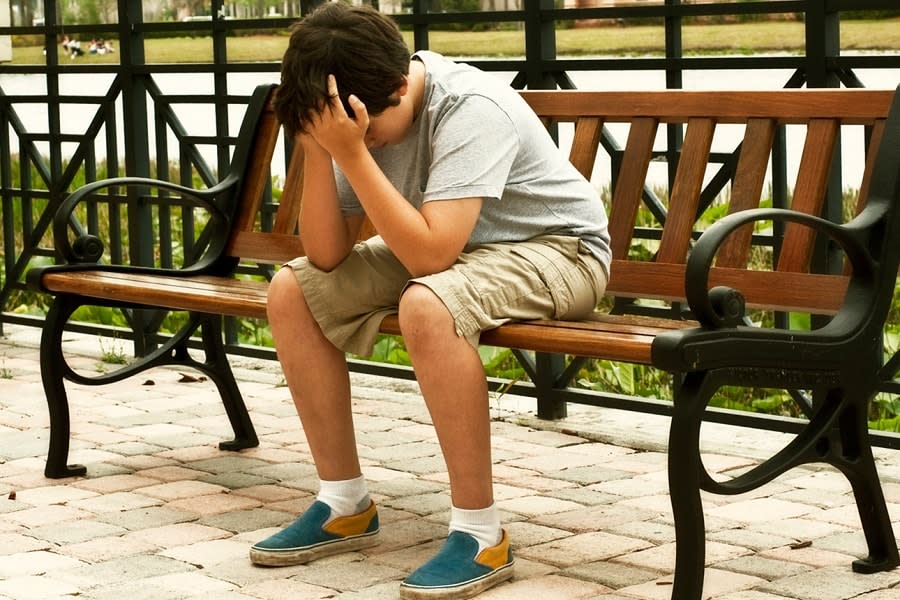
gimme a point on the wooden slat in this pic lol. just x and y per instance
(619, 343)
(809, 193)
(772, 290)
(258, 172)
(205, 294)
(685, 197)
(857, 106)
(291, 195)
(268, 248)
(871, 153)
(630, 184)
(746, 190)
(584, 145)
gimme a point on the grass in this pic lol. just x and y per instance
(743, 38)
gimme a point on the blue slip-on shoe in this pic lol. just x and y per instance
(313, 536)
(459, 571)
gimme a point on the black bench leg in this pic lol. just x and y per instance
(53, 374)
(685, 467)
(217, 367)
(858, 464)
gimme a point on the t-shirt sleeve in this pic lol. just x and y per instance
(473, 148)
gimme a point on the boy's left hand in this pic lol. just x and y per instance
(333, 128)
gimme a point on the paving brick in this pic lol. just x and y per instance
(763, 567)
(662, 558)
(583, 547)
(178, 534)
(810, 555)
(15, 543)
(115, 502)
(612, 575)
(762, 509)
(124, 569)
(523, 534)
(26, 587)
(35, 563)
(142, 518)
(181, 489)
(348, 572)
(750, 595)
(715, 583)
(832, 583)
(214, 504)
(237, 481)
(45, 515)
(537, 505)
(115, 483)
(548, 586)
(591, 518)
(207, 553)
(241, 521)
(747, 538)
(296, 590)
(100, 549)
(55, 494)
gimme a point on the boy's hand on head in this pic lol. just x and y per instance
(334, 130)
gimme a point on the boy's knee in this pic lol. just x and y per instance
(422, 311)
(284, 293)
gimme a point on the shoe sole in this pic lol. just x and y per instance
(460, 592)
(300, 556)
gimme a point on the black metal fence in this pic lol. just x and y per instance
(64, 122)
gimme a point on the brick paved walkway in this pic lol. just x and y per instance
(163, 514)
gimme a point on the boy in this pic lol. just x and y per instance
(480, 220)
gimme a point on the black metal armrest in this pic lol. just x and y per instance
(84, 251)
(714, 308)
(721, 341)
(86, 248)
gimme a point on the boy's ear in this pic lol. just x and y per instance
(401, 91)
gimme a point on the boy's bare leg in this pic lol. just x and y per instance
(453, 383)
(317, 377)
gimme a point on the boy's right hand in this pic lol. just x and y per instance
(334, 130)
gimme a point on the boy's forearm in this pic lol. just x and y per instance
(419, 246)
(323, 228)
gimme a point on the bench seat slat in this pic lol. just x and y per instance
(612, 337)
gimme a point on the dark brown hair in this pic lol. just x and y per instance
(361, 47)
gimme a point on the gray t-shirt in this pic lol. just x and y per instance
(476, 137)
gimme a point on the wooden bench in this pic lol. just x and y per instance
(710, 346)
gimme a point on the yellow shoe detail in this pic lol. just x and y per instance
(351, 525)
(495, 556)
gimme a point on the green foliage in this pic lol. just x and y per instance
(390, 349)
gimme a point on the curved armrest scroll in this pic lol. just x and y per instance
(87, 248)
(716, 307)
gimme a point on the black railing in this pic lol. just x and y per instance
(130, 120)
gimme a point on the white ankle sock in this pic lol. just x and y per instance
(483, 524)
(346, 497)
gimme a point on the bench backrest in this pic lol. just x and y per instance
(819, 115)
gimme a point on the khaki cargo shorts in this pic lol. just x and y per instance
(550, 277)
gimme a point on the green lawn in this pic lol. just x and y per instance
(742, 38)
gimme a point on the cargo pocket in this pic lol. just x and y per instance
(555, 260)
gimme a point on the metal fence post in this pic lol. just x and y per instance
(137, 149)
(823, 43)
(540, 45)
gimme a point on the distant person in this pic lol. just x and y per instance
(480, 219)
(72, 47)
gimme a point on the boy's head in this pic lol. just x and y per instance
(361, 47)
